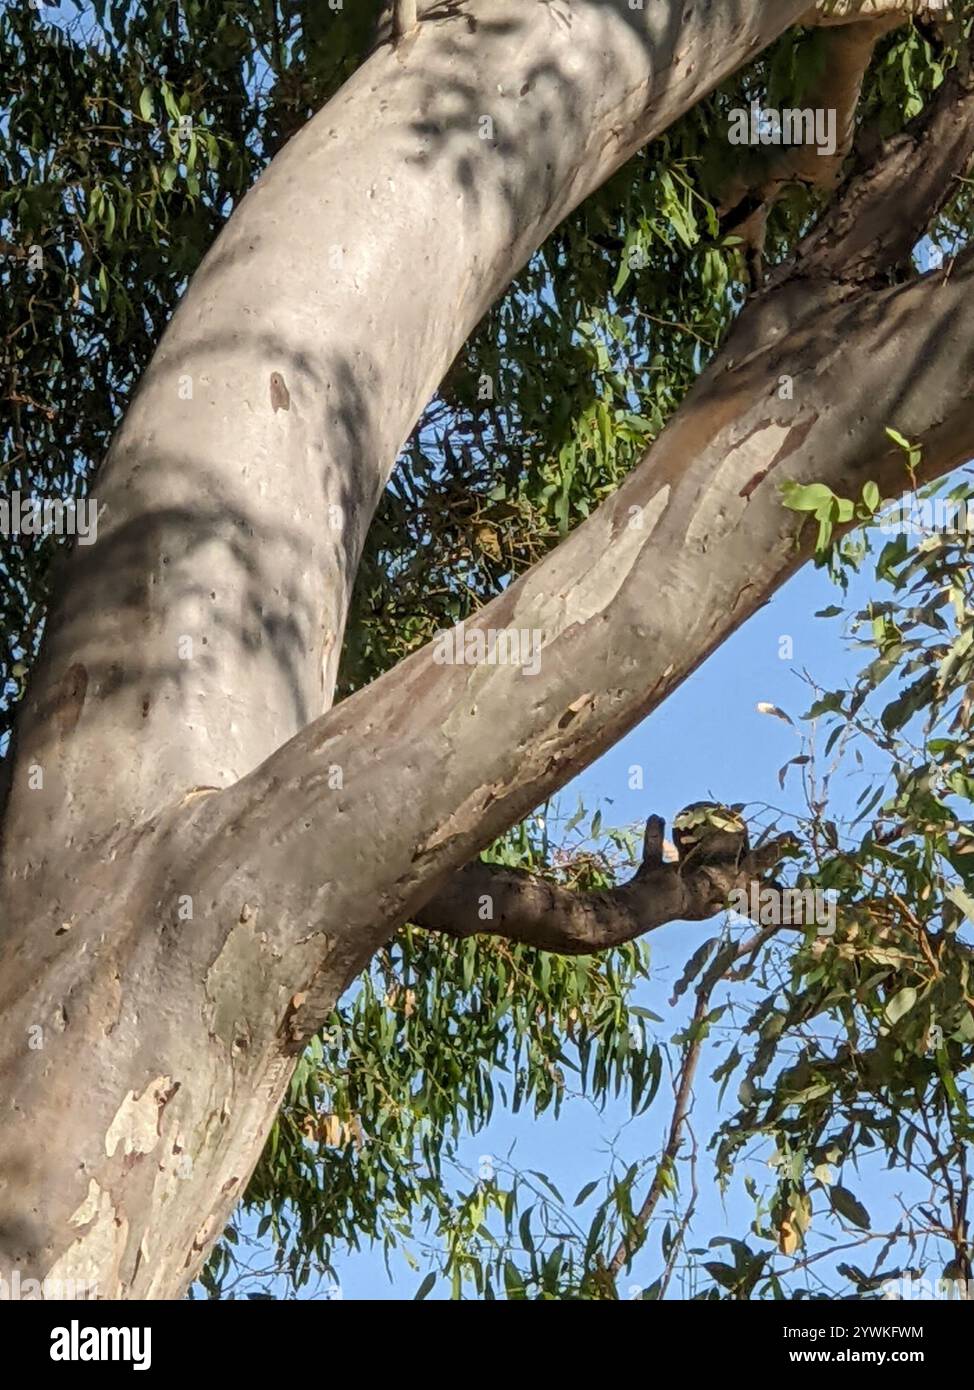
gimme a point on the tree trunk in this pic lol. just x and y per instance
(197, 858)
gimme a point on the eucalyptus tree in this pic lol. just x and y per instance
(650, 355)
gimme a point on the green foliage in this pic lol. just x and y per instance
(827, 509)
(880, 1014)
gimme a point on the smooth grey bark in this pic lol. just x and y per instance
(403, 18)
(313, 334)
(203, 629)
(694, 541)
(628, 611)
(174, 945)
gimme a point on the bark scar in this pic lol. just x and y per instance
(280, 395)
(793, 441)
(69, 699)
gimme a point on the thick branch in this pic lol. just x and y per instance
(527, 908)
(887, 207)
(876, 223)
(853, 28)
(202, 630)
(760, 177)
(438, 759)
(207, 620)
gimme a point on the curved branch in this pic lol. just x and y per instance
(888, 205)
(759, 180)
(853, 28)
(438, 759)
(237, 493)
(489, 899)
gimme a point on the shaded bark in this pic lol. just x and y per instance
(148, 1007)
(520, 906)
(208, 618)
